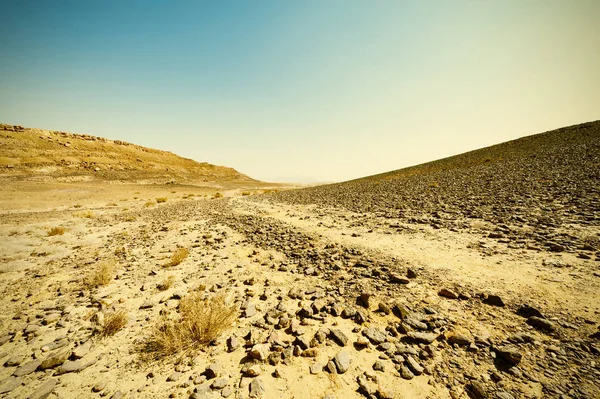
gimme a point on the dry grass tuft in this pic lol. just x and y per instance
(113, 323)
(199, 322)
(56, 231)
(103, 275)
(217, 195)
(177, 257)
(166, 284)
(161, 200)
(87, 215)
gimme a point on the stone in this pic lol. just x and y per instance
(74, 366)
(446, 293)
(400, 311)
(81, 350)
(375, 335)
(477, 390)
(44, 390)
(540, 323)
(405, 373)
(117, 395)
(414, 366)
(316, 368)
(233, 343)
(27, 368)
(259, 352)
(384, 308)
(54, 360)
(213, 370)
(503, 395)
(219, 383)
(227, 392)
(342, 362)
(459, 338)
(527, 311)
(253, 371)
(339, 337)
(421, 337)
(378, 366)
(9, 384)
(494, 300)
(364, 300)
(174, 376)
(510, 355)
(13, 361)
(99, 386)
(257, 388)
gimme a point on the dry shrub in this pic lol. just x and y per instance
(217, 195)
(166, 284)
(177, 257)
(103, 275)
(161, 200)
(56, 231)
(245, 193)
(198, 323)
(149, 204)
(113, 323)
(87, 215)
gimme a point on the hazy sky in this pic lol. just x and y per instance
(301, 90)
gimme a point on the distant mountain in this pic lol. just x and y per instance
(27, 153)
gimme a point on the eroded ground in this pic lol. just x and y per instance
(332, 303)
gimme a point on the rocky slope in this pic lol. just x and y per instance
(36, 154)
(528, 189)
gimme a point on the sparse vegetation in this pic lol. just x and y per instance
(149, 204)
(217, 195)
(245, 193)
(166, 284)
(102, 275)
(113, 323)
(160, 200)
(87, 215)
(177, 257)
(199, 322)
(56, 231)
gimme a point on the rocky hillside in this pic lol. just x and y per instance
(51, 155)
(528, 189)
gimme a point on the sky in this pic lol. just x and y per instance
(301, 90)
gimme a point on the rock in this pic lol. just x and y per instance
(316, 368)
(503, 395)
(253, 371)
(219, 383)
(398, 279)
(364, 386)
(510, 355)
(410, 273)
(348, 313)
(400, 311)
(494, 300)
(9, 384)
(81, 350)
(378, 366)
(27, 368)
(339, 337)
(147, 305)
(459, 338)
(99, 386)
(414, 366)
(117, 395)
(51, 318)
(361, 343)
(259, 352)
(13, 361)
(446, 293)
(384, 308)
(477, 390)
(342, 362)
(375, 335)
(54, 360)
(227, 391)
(174, 376)
(405, 373)
(74, 366)
(421, 337)
(44, 390)
(384, 393)
(257, 388)
(540, 323)
(213, 370)
(364, 300)
(233, 343)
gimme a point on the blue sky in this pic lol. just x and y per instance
(307, 90)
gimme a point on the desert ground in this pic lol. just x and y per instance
(319, 295)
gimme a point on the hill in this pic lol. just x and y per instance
(36, 154)
(539, 183)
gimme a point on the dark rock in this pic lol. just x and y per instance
(446, 293)
(528, 311)
(510, 355)
(477, 390)
(540, 323)
(494, 300)
(339, 337)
